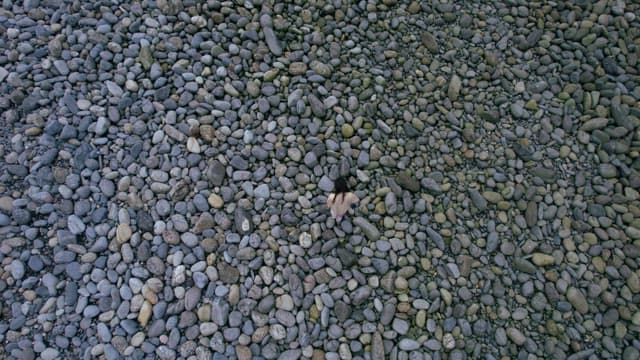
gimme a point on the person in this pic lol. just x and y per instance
(341, 200)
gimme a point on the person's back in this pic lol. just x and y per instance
(341, 200)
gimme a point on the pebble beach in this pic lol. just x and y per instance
(165, 166)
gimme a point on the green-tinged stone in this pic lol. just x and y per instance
(488, 115)
(347, 131)
(620, 329)
(270, 75)
(523, 265)
(492, 196)
(531, 105)
(577, 300)
(541, 259)
(633, 232)
(633, 282)
(599, 264)
(145, 57)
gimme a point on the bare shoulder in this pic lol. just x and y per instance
(352, 198)
(330, 199)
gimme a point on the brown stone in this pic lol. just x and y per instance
(204, 222)
(228, 274)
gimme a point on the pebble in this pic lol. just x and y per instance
(75, 224)
(516, 336)
(17, 269)
(123, 233)
(454, 88)
(377, 347)
(478, 200)
(577, 300)
(408, 345)
(368, 229)
(541, 259)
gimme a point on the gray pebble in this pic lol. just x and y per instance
(75, 224)
(17, 269)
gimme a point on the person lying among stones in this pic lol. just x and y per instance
(341, 200)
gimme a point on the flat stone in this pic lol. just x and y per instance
(431, 185)
(594, 124)
(368, 229)
(408, 345)
(123, 233)
(17, 269)
(516, 336)
(531, 213)
(61, 66)
(216, 173)
(436, 238)
(633, 282)
(269, 35)
(325, 184)
(430, 42)
(227, 273)
(448, 341)
(145, 313)
(630, 353)
(608, 171)
(242, 221)
(377, 347)
(541, 259)
(75, 224)
(262, 191)
(156, 266)
(546, 174)
(454, 88)
(347, 257)
(277, 331)
(192, 145)
(477, 199)
(145, 221)
(524, 265)
(492, 196)
(408, 182)
(49, 354)
(35, 263)
(114, 88)
(284, 302)
(342, 310)
(610, 317)
(577, 300)
(360, 295)
(243, 352)
(400, 326)
(175, 134)
(317, 106)
(215, 201)
(205, 221)
(192, 298)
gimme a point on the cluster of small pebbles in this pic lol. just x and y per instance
(164, 167)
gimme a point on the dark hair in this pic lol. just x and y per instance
(340, 186)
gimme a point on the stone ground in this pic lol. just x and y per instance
(165, 166)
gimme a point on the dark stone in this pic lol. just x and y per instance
(216, 173)
(228, 274)
(611, 67)
(21, 216)
(347, 257)
(18, 170)
(145, 221)
(524, 152)
(408, 181)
